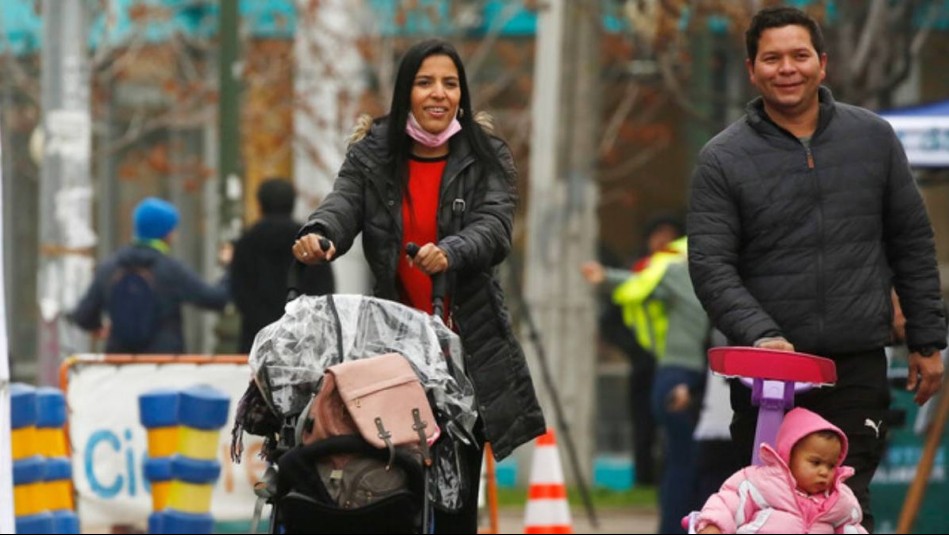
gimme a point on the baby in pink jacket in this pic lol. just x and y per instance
(798, 488)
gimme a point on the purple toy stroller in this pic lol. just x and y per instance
(774, 377)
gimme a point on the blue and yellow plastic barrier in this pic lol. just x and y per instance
(42, 472)
(23, 421)
(51, 422)
(183, 477)
(158, 413)
(57, 479)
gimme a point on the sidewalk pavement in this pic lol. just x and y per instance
(610, 520)
(510, 520)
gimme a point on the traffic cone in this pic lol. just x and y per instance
(547, 510)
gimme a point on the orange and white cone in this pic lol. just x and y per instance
(547, 509)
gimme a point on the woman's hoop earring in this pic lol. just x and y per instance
(461, 112)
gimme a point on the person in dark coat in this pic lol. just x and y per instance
(262, 260)
(803, 216)
(174, 284)
(429, 173)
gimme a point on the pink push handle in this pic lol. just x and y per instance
(770, 364)
(775, 376)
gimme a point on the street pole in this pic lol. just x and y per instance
(329, 79)
(561, 214)
(229, 167)
(66, 238)
(221, 331)
(7, 518)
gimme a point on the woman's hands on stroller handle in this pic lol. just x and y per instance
(313, 248)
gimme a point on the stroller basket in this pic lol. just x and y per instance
(393, 503)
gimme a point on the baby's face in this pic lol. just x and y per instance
(813, 462)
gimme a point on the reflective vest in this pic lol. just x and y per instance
(645, 315)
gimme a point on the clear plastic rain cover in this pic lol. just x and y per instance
(288, 358)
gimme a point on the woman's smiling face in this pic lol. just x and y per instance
(436, 93)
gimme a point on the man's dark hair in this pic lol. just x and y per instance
(399, 142)
(276, 197)
(779, 17)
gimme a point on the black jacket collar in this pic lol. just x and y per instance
(759, 120)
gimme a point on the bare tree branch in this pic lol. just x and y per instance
(634, 163)
(494, 30)
(617, 118)
(869, 35)
(672, 83)
(929, 19)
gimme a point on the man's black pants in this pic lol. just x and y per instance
(857, 404)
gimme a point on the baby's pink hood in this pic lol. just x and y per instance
(797, 424)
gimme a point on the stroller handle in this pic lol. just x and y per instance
(439, 284)
(297, 268)
(771, 364)
(775, 376)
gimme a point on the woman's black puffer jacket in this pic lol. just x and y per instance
(367, 198)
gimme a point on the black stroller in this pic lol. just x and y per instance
(349, 449)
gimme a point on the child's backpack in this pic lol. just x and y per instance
(133, 307)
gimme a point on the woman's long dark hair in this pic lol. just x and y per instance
(400, 144)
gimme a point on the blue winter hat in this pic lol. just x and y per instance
(154, 219)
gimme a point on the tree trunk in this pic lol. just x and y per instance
(561, 219)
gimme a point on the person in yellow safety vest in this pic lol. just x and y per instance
(660, 305)
(642, 313)
(658, 232)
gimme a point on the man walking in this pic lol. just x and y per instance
(803, 216)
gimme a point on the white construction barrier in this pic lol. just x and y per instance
(109, 444)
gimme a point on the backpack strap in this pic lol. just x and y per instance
(458, 209)
(419, 425)
(143, 267)
(387, 439)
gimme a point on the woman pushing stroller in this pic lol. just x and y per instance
(430, 173)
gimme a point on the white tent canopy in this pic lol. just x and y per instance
(924, 131)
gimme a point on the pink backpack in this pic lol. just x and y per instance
(379, 397)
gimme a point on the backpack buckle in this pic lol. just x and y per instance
(420, 426)
(387, 438)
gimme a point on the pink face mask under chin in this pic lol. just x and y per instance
(416, 132)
